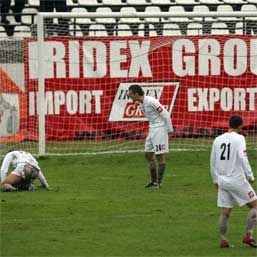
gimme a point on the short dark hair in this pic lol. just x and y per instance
(136, 89)
(235, 121)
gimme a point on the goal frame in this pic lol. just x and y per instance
(41, 16)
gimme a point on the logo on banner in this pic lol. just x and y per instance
(124, 109)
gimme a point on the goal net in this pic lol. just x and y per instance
(77, 68)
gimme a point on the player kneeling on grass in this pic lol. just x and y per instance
(232, 175)
(25, 172)
(157, 141)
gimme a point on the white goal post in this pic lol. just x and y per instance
(202, 66)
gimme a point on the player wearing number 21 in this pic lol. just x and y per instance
(157, 142)
(232, 176)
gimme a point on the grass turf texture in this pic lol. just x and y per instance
(99, 207)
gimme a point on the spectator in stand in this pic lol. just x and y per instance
(59, 6)
(5, 7)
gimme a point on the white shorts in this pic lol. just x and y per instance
(235, 190)
(26, 171)
(19, 171)
(157, 140)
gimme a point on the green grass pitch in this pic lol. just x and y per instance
(99, 207)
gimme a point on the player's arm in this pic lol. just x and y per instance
(214, 174)
(242, 154)
(42, 179)
(5, 166)
(164, 114)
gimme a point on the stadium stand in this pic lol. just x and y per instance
(129, 9)
(21, 31)
(211, 2)
(112, 3)
(225, 8)
(29, 19)
(171, 29)
(218, 28)
(80, 20)
(3, 32)
(97, 30)
(105, 20)
(163, 2)
(89, 3)
(187, 2)
(234, 1)
(70, 3)
(153, 9)
(194, 29)
(203, 9)
(75, 31)
(138, 2)
(122, 30)
(147, 30)
(33, 3)
(149, 26)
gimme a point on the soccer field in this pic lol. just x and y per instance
(98, 206)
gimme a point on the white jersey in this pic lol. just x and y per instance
(20, 158)
(156, 114)
(229, 158)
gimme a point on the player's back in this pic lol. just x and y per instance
(226, 150)
(23, 157)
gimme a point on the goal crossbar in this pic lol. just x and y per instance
(238, 14)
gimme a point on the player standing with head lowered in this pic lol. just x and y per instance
(26, 169)
(157, 141)
(231, 174)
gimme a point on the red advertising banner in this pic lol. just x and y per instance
(200, 80)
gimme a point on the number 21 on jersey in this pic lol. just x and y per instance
(225, 151)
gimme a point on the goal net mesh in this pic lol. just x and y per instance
(202, 69)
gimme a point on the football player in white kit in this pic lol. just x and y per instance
(232, 176)
(26, 169)
(157, 141)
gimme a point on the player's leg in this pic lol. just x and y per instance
(251, 223)
(151, 165)
(20, 179)
(11, 183)
(152, 169)
(149, 155)
(243, 194)
(225, 202)
(223, 227)
(8, 188)
(161, 167)
(161, 145)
